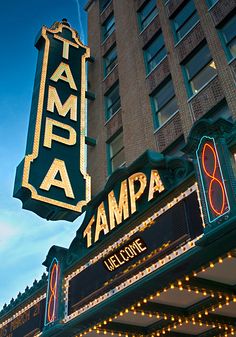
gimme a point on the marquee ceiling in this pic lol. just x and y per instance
(202, 304)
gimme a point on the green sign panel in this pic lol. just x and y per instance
(52, 180)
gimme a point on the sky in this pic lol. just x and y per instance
(25, 238)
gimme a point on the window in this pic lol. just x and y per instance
(184, 20)
(104, 4)
(211, 2)
(228, 34)
(147, 13)
(116, 153)
(108, 27)
(112, 101)
(199, 70)
(220, 111)
(164, 103)
(154, 53)
(110, 60)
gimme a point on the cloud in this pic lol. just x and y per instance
(8, 232)
(81, 28)
(25, 240)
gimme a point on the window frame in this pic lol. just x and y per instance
(225, 44)
(105, 72)
(108, 115)
(103, 7)
(165, 2)
(108, 32)
(175, 31)
(211, 5)
(109, 157)
(140, 21)
(145, 49)
(188, 80)
(155, 112)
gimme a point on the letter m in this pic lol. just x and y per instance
(69, 105)
(121, 210)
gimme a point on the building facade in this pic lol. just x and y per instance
(159, 66)
(156, 252)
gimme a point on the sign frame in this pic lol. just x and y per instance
(53, 209)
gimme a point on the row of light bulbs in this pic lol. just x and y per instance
(23, 310)
(135, 278)
(128, 282)
(138, 228)
(178, 321)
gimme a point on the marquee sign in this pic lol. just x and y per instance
(176, 223)
(51, 180)
(112, 211)
(212, 180)
(28, 323)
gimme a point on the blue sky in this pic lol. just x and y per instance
(24, 237)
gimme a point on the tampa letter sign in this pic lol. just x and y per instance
(52, 180)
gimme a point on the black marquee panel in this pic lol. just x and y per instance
(27, 323)
(178, 224)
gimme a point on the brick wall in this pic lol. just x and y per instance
(221, 9)
(158, 75)
(206, 99)
(114, 124)
(135, 115)
(169, 132)
(190, 42)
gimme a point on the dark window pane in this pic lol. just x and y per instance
(203, 77)
(155, 52)
(188, 25)
(184, 14)
(211, 2)
(165, 103)
(221, 112)
(147, 13)
(185, 19)
(108, 27)
(117, 155)
(198, 61)
(112, 101)
(232, 47)
(110, 60)
(164, 95)
(155, 46)
(229, 30)
(104, 4)
(116, 145)
(156, 59)
(118, 160)
(113, 106)
(167, 111)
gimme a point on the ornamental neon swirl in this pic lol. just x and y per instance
(52, 293)
(211, 179)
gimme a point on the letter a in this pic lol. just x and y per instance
(57, 75)
(58, 166)
(156, 184)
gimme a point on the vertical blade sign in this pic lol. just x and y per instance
(52, 180)
(212, 180)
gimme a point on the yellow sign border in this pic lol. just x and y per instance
(30, 158)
